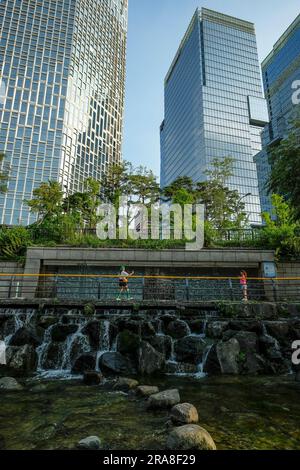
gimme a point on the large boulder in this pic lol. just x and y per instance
(254, 326)
(216, 329)
(162, 344)
(10, 384)
(133, 326)
(279, 330)
(190, 349)
(89, 443)
(184, 413)
(163, 400)
(92, 378)
(92, 330)
(147, 390)
(123, 384)
(270, 347)
(84, 363)
(59, 332)
(228, 356)
(212, 364)
(178, 329)
(190, 437)
(53, 356)
(116, 364)
(197, 326)
(24, 336)
(22, 360)
(128, 343)
(147, 330)
(150, 360)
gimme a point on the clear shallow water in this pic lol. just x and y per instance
(240, 413)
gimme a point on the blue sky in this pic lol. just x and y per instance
(156, 28)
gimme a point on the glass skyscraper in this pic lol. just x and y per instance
(280, 70)
(214, 105)
(62, 69)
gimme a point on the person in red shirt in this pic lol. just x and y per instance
(244, 285)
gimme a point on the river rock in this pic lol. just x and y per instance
(147, 329)
(270, 347)
(92, 330)
(190, 349)
(89, 443)
(10, 384)
(24, 336)
(162, 344)
(184, 413)
(216, 329)
(150, 360)
(279, 330)
(147, 390)
(133, 326)
(197, 326)
(254, 326)
(124, 384)
(128, 343)
(53, 356)
(116, 364)
(228, 356)
(60, 332)
(212, 364)
(92, 378)
(84, 363)
(23, 359)
(190, 437)
(163, 400)
(178, 329)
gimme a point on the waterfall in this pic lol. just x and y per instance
(43, 348)
(201, 374)
(78, 339)
(104, 342)
(20, 319)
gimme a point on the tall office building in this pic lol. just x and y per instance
(62, 68)
(280, 70)
(214, 105)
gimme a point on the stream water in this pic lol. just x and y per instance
(240, 413)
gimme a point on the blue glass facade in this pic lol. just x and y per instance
(214, 105)
(280, 70)
(62, 70)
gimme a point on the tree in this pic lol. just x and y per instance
(47, 200)
(83, 206)
(285, 163)
(144, 187)
(281, 232)
(182, 185)
(3, 175)
(224, 207)
(115, 182)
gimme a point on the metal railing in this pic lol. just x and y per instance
(151, 288)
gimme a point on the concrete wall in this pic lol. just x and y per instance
(181, 262)
(10, 287)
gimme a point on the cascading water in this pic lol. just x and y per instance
(104, 342)
(20, 319)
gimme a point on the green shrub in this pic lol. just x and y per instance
(14, 243)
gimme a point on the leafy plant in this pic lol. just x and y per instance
(14, 242)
